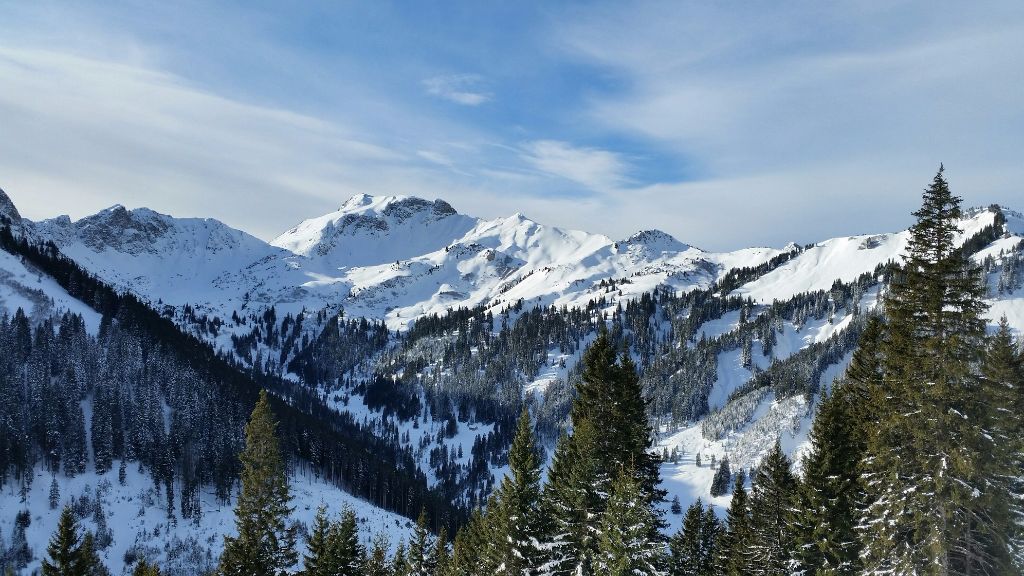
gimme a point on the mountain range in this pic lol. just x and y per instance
(719, 333)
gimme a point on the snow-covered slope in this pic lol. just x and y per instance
(139, 527)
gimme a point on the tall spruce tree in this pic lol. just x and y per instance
(931, 484)
(572, 504)
(441, 557)
(625, 545)
(65, 550)
(1003, 371)
(770, 547)
(399, 562)
(316, 562)
(830, 496)
(376, 561)
(91, 564)
(694, 547)
(722, 479)
(468, 549)
(710, 534)
(734, 540)
(514, 516)
(611, 433)
(346, 551)
(609, 395)
(265, 543)
(418, 556)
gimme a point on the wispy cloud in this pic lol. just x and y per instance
(465, 89)
(597, 169)
(77, 129)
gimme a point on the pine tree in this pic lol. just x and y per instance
(770, 544)
(1003, 372)
(722, 479)
(319, 559)
(91, 565)
(572, 503)
(65, 549)
(694, 547)
(468, 549)
(863, 382)
(733, 542)
(609, 396)
(143, 568)
(514, 517)
(831, 497)
(625, 544)
(54, 494)
(399, 563)
(419, 548)
(346, 551)
(710, 534)
(376, 561)
(265, 544)
(930, 484)
(441, 558)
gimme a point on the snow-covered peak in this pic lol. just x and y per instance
(398, 207)
(8, 212)
(373, 229)
(655, 241)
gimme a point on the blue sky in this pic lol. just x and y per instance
(725, 124)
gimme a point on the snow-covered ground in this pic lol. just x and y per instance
(136, 516)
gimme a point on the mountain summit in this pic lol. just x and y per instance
(374, 229)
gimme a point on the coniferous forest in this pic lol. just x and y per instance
(915, 464)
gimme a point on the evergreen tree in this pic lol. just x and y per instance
(863, 383)
(831, 497)
(694, 547)
(65, 549)
(143, 568)
(346, 551)
(572, 504)
(677, 507)
(710, 534)
(91, 565)
(441, 558)
(732, 544)
(1003, 372)
(931, 487)
(399, 563)
(609, 396)
(770, 544)
(625, 544)
(319, 559)
(722, 479)
(514, 515)
(265, 544)
(467, 548)
(376, 562)
(418, 556)
(54, 494)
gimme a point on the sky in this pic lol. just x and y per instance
(726, 124)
